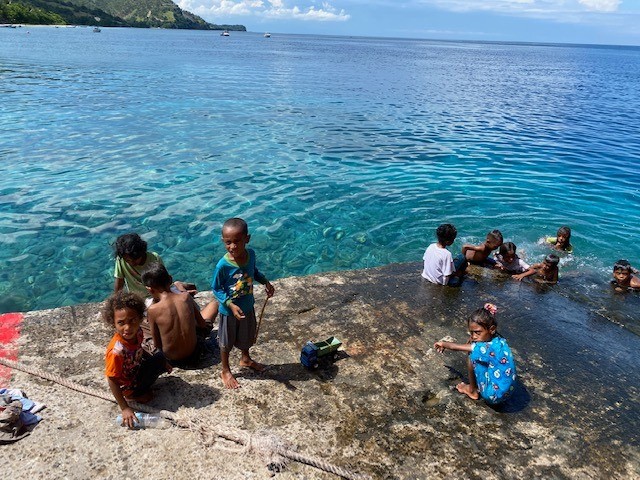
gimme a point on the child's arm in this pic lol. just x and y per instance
(533, 269)
(155, 331)
(197, 314)
(118, 285)
(218, 288)
(442, 346)
(128, 415)
(474, 248)
(260, 278)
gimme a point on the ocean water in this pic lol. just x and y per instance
(341, 153)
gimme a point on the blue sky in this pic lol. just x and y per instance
(565, 21)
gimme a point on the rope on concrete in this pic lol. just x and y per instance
(263, 444)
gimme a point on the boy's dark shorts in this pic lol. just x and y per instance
(193, 360)
(151, 367)
(460, 264)
(236, 333)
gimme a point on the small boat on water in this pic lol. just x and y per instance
(96, 30)
(267, 35)
(224, 34)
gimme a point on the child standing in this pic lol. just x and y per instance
(232, 285)
(508, 261)
(173, 318)
(562, 240)
(623, 276)
(492, 371)
(130, 371)
(439, 265)
(546, 272)
(479, 254)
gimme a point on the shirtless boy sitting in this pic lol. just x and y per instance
(173, 318)
(479, 254)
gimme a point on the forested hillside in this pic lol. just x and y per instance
(108, 13)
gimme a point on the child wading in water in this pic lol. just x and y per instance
(479, 254)
(492, 371)
(130, 371)
(562, 240)
(439, 265)
(232, 285)
(546, 272)
(623, 276)
(508, 261)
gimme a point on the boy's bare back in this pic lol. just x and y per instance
(173, 321)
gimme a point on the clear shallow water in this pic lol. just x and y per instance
(341, 153)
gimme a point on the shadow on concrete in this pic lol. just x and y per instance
(172, 392)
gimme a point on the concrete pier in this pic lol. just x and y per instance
(385, 408)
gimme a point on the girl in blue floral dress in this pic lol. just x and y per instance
(492, 371)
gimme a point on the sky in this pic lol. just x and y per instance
(611, 22)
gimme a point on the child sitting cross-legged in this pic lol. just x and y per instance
(492, 371)
(173, 318)
(130, 370)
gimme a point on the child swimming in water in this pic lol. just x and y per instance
(492, 371)
(546, 271)
(623, 276)
(507, 260)
(562, 240)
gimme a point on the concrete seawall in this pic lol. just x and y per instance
(385, 408)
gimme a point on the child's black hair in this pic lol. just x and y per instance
(622, 265)
(508, 248)
(156, 276)
(120, 300)
(236, 224)
(446, 233)
(552, 259)
(566, 231)
(484, 317)
(495, 235)
(130, 245)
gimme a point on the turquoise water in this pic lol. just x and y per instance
(341, 153)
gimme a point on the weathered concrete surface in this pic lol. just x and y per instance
(385, 408)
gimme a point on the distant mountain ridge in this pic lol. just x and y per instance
(107, 13)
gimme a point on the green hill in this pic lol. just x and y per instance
(108, 13)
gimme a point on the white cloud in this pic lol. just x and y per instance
(538, 8)
(601, 5)
(272, 9)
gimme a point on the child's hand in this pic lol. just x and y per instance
(237, 311)
(518, 277)
(439, 346)
(129, 418)
(270, 290)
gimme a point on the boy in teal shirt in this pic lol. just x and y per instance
(232, 285)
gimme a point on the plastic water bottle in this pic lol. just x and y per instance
(146, 420)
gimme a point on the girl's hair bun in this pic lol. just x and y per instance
(491, 308)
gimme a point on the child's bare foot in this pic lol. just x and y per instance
(467, 390)
(229, 380)
(258, 367)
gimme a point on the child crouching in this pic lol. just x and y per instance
(492, 371)
(130, 371)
